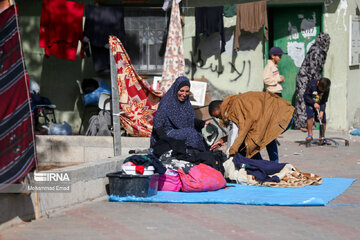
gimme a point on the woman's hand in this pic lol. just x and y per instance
(217, 144)
(207, 123)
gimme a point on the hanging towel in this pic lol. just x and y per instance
(17, 142)
(209, 20)
(61, 28)
(138, 101)
(311, 69)
(250, 17)
(174, 63)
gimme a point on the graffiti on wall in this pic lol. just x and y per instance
(192, 66)
(232, 71)
(297, 50)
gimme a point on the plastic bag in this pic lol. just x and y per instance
(93, 97)
(355, 132)
(60, 129)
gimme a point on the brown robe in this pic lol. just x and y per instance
(260, 116)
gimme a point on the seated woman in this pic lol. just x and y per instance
(176, 117)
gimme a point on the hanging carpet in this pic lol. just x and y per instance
(174, 63)
(17, 150)
(137, 100)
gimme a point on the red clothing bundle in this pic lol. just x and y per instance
(61, 27)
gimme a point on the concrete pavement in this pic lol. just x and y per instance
(101, 219)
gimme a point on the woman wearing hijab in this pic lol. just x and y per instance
(176, 117)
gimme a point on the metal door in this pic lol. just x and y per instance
(294, 30)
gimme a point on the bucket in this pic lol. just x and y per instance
(124, 185)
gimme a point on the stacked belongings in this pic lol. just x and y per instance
(169, 166)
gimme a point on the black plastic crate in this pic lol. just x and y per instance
(123, 185)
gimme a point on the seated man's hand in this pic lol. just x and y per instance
(207, 123)
(217, 144)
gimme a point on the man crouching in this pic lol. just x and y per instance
(256, 119)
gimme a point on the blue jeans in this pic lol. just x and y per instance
(272, 151)
(272, 148)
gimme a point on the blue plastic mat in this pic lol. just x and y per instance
(313, 195)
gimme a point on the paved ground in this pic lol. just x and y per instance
(101, 219)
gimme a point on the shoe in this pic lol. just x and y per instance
(303, 129)
(309, 138)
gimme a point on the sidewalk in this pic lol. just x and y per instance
(101, 219)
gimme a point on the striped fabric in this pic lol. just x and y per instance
(17, 144)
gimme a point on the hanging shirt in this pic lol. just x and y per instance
(250, 17)
(100, 22)
(209, 20)
(61, 28)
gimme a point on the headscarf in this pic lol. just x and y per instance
(179, 114)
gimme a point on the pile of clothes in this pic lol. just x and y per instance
(180, 171)
(189, 170)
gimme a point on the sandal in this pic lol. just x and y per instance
(309, 138)
(303, 129)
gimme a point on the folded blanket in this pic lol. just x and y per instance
(289, 176)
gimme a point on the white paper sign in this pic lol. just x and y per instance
(198, 92)
(354, 45)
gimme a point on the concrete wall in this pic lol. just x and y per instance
(228, 73)
(343, 108)
(88, 181)
(353, 83)
(68, 150)
(344, 102)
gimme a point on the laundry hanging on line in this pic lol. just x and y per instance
(61, 28)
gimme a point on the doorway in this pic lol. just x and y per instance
(294, 30)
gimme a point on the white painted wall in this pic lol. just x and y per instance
(343, 108)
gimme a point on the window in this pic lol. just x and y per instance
(145, 41)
